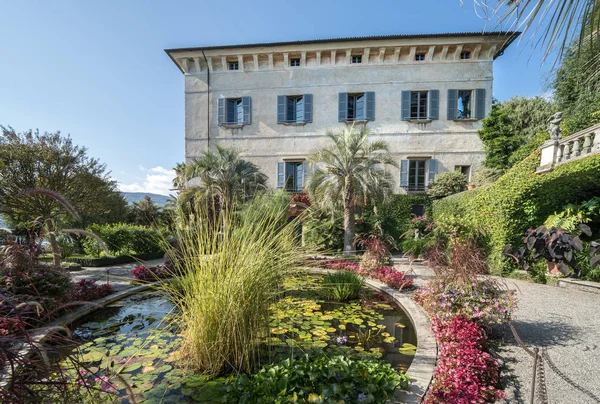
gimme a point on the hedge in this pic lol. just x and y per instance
(397, 213)
(520, 199)
(109, 261)
(124, 239)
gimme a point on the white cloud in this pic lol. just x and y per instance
(158, 180)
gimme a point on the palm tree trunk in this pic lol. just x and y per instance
(349, 220)
(53, 244)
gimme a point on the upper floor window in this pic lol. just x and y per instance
(290, 175)
(466, 104)
(356, 106)
(295, 62)
(419, 57)
(417, 174)
(234, 111)
(420, 105)
(465, 55)
(356, 59)
(294, 108)
(233, 66)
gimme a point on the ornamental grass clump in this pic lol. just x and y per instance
(227, 273)
(342, 286)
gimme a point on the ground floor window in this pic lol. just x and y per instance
(466, 170)
(418, 210)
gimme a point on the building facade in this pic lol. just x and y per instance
(425, 95)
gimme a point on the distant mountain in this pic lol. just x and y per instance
(132, 197)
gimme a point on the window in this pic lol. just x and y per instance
(356, 107)
(418, 105)
(466, 170)
(295, 62)
(290, 175)
(465, 55)
(418, 210)
(294, 108)
(234, 111)
(417, 173)
(464, 106)
(356, 59)
(233, 65)
(419, 57)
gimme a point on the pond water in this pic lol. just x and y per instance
(137, 338)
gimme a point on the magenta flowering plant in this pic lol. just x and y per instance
(87, 289)
(388, 275)
(143, 273)
(481, 301)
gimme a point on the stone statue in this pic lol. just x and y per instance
(554, 126)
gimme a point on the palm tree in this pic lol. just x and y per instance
(350, 171)
(226, 177)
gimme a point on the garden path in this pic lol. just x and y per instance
(119, 275)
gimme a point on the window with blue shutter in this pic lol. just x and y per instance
(434, 104)
(452, 104)
(299, 180)
(370, 106)
(280, 174)
(480, 103)
(405, 108)
(221, 111)
(281, 108)
(246, 107)
(432, 168)
(343, 107)
(308, 107)
(404, 173)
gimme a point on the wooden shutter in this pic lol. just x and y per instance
(452, 104)
(370, 106)
(432, 167)
(480, 103)
(281, 108)
(246, 106)
(308, 107)
(299, 177)
(280, 174)
(434, 104)
(404, 164)
(221, 111)
(343, 107)
(405, 107)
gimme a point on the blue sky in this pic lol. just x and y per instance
(97, 70)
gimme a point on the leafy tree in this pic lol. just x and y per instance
(226, 178)
(351, 175)
(446, 184)
(45, 178)
(514, 129)
(145, 212)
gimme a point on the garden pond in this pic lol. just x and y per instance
(134, 342)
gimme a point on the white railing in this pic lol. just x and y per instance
(577, 145)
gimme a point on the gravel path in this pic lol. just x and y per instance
(566, 323)
(119, 275)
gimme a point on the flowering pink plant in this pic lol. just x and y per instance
(143, 273)
(388, 275)
(464, 373)
(86, 290)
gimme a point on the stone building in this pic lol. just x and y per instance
(425, 95)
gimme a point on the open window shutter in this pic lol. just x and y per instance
(343, 107)
(405, 108)
(480, 103)
(281, 101)
(221, 111)
(434, 104)
(280, 174)
(432, 170)
(299, 177)
(404, 173)
(370, 106)
(306, 171)
(308, 107)
(246, 105)
(452, 104)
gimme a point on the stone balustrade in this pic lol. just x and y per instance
(577, 145)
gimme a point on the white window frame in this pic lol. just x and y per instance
(471, 111)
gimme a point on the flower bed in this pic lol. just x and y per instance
(147, 274)
(86, 290)
(388, 275)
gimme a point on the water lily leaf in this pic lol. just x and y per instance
(131, 368)
(93, 356)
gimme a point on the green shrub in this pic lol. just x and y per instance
(520, 199)
(446, 184)
(396, 214)
(322, 380)
(124, 239)
(323, 232)
(486, 176)
(342, 286)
